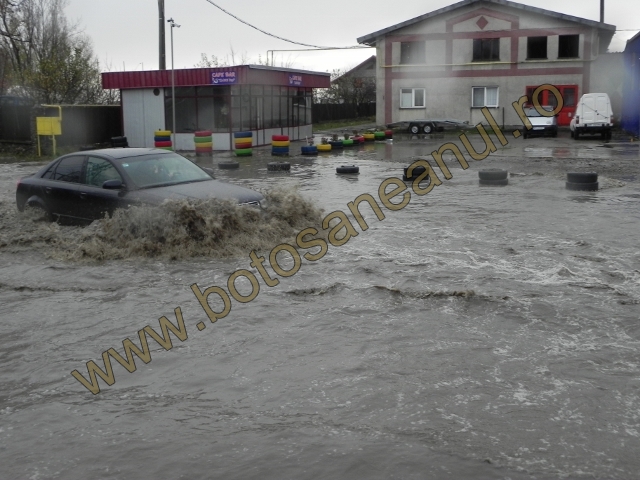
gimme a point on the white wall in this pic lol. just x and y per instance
(143, 114)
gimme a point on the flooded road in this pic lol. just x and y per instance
(478, 332)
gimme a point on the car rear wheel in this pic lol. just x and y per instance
(37, 212)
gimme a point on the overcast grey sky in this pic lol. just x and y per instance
(125, 32)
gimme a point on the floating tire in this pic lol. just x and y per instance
(348, 169)
(347, 142)
(324, 147)
(203, 133)
(369, 137)
(228, 165)
(358, 139)
(496, 183)
(582, 177)
(417, 171)
(242, 134)
(336, 144)
(388, 134)
(379, 136)
(493, 174)
(278, 166)
(279, 138)
(309, 150)
(587, 187)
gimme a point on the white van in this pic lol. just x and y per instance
(593, 115)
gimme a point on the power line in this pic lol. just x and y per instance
(276, 36)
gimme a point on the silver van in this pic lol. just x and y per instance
(593, 115)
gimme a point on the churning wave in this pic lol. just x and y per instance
(174, 230)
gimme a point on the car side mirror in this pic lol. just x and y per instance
(113, 184)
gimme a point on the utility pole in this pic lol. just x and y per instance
(161, 44)
(173, 86)
(601, 11)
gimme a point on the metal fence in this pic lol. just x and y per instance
(81, 124)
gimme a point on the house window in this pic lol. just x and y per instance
(412, 53)
(412, 98)
(536, 48)
(486, 49)
(484, 97)
(569, 46)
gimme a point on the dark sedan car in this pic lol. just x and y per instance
(86, 185)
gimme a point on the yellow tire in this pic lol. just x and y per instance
(324, 147)
(280, 143)
(204, 145)
(163, 133)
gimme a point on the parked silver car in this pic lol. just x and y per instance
(541, 124)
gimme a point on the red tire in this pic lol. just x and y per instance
(162, 144)
(203, 133)
(280, 138)
(243, 145)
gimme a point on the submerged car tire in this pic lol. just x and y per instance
(582, 177)
(588, 187)
(278, 166)
(38, 211)
(228, 165)
(348, 169)
(495, 183)
(493, 174)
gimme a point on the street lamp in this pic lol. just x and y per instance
(173, 85)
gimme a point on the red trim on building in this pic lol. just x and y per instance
(245, 75)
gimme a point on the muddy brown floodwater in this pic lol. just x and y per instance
(477, 332)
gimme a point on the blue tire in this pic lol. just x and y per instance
(242, 134)
(280, 150)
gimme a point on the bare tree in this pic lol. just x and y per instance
(49, 59)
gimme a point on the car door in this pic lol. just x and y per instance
(95, 199)
(62, 190)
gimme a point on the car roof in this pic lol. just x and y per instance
(120, 153)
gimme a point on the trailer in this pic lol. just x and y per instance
(427, 125)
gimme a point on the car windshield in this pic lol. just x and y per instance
(532, 112)
(162, 169)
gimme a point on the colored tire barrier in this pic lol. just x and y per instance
(278, 166)
(309, 150)
(203, 143)
(582, 181)
(243, 142)
(369, 137)
(379, 135)
(280, 145)
(324, 147)
(348, 169)
(347, 142)
(336, 144)
(358, 139)
(228, 165)
(388, 134)
(162, 139)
